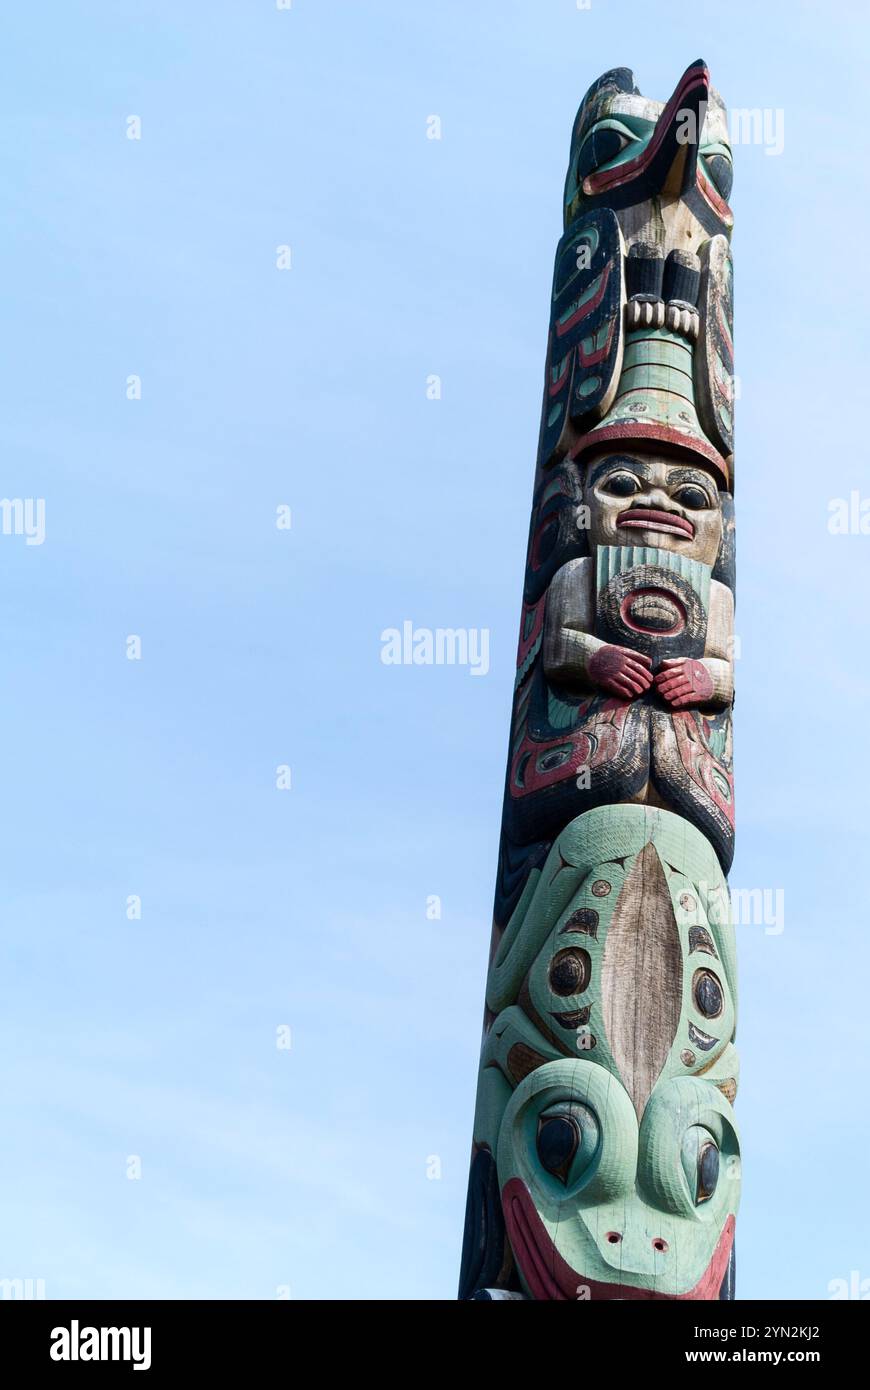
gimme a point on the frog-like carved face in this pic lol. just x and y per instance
(617, 1153)
(649, 499)
(599, 1207)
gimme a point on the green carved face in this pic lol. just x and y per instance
(597, 1206)
(617, 1153)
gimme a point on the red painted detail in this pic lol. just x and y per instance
(683, 682)
(524, 647)
(626, 616)
(599, 743)
(650, 519)
(549, 1277)
(621, 671)
(699, 762)
(600, 354)
(556, 386)
(696, 76)
(686, 445)
(714, 198)
(549, 521)
(587, 308)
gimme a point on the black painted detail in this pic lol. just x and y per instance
(702, 1040)
(570, 970)
(682, 278)
(557, 1142)
(708, 1172)
(644, 269)
(574, 1020)
(584, 920)
(708, 994)
(721, 172)
(484, 1238)
(701, 940)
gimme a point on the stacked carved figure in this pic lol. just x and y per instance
(605, 1157)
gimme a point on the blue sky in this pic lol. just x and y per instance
(306, 1169)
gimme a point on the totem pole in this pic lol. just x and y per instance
(605, 1157)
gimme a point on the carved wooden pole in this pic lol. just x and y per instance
(605, 1157)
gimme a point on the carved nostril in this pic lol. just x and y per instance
(613, 1237)
(661, 1245)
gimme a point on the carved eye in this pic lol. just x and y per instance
(567, 1140)
(689, 495)
(708, 993)
(700, 1158)
(721, 172)
(570, 971)
(558, 1141)
(621, 484)
(708, 1173)
(600, 146)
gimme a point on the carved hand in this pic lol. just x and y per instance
(621, 671)
(684, 682)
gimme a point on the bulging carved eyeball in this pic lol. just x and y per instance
(567, 1140)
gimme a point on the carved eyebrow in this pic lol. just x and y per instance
(610, 465)
(691, 475)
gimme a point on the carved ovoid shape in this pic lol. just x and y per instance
(642, 978)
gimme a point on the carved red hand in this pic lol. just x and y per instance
(683, 682)
(621, 671)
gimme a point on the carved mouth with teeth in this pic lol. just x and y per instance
(650, 519)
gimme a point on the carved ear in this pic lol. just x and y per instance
(725, 567)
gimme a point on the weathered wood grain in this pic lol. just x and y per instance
(605, 1153)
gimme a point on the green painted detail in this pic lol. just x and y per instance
(520, 774)
(611, 560)
(554, 415)
(519, 728)
(659, 345)
(654, 376)
(588, 237)
(658, 360)
(589, 293)
(635, 1169)
(717, 742)
(510, 1029)
(528, 662)
(722, 784)
(633, 1182)
(656, 385)
(597, 340)
(553, 489)
(558, 368)
(560, 714)
(635, 126)
(588, 385)
(493, 1094)
(658, 340)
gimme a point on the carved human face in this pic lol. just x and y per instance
(648, 499)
